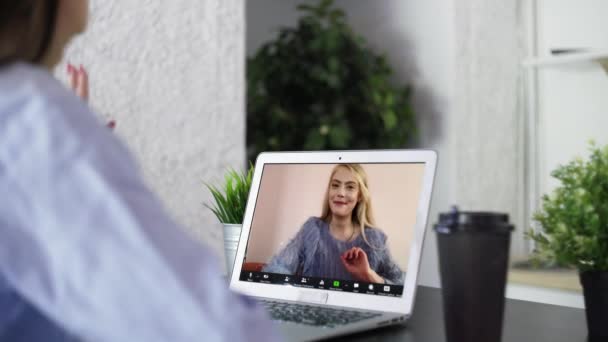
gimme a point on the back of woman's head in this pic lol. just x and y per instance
(26, 29)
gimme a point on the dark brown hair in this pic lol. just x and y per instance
(26, 29)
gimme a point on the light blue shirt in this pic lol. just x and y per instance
(87, 252)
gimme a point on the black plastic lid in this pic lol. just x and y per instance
(473, 221)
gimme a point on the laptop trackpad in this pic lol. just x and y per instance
(315, 297)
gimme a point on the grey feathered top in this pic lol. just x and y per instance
(314, 252)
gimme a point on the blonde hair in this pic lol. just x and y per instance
(362, 214)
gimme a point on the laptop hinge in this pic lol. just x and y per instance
(313, 297)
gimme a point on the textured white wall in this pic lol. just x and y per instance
(488, 124)
(172, 75)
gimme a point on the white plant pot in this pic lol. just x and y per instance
(232, 234)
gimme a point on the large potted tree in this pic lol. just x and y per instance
(319, 86)
(574, 231)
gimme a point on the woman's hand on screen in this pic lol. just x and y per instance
(356, 263)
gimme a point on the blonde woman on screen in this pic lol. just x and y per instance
(342, 243)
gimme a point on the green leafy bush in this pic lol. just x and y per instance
(231, 198)
(319, 86)
(574, 219)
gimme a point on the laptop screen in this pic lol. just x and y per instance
(339, 227)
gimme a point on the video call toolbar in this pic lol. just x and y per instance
(323, 283)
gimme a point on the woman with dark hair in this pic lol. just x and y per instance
(86, 250)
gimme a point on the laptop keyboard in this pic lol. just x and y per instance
(314, 315)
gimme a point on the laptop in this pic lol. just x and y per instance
(331, 241)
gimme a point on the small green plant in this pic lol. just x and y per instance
(320, 86)
(231, 198)
(574, 218)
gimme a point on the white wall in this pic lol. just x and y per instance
(572, 98)
(488, 122)
(172, 75)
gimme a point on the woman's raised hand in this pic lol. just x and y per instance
(356, 263)
(79, 81)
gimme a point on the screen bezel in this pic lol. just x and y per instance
(401, 304)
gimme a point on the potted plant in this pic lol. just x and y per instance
(229, 208)
(574, 222)
(319, 86)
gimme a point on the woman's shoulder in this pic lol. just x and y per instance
(309, 231)
(26, 81)
(312, 227)
(31, 94)
(314, 221)
(46, 117)
(375, 234)
(313, 224)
